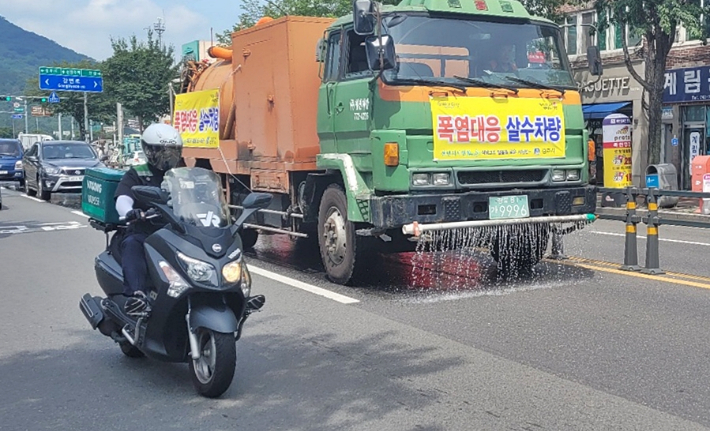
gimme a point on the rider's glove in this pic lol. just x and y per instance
(135, 214)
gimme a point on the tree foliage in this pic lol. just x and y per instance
(138, 74)
(657, 21)
(256, 9)
(550, 9)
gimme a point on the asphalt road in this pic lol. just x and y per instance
(579, 346)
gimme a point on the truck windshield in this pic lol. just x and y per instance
(442, 49)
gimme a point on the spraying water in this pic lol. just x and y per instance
(452, 256)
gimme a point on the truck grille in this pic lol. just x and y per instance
(493, 177)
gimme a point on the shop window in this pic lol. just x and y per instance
(694, 113)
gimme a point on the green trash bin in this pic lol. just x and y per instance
(97, 194)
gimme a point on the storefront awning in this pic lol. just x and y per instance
(601, 110)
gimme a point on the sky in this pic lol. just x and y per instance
(87, 26)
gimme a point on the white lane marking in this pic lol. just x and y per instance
(32, 198)
(660, 239)
(79, 213)
(303, 286)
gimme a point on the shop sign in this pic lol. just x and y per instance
(694, 147)
(687, 85)
(667, 113)
(616, 132)
(609, 85)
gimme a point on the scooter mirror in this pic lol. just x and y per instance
(257, 200)
(149, 194)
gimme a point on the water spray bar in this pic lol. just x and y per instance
(416, 229)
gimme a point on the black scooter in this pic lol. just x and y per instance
(199, 284)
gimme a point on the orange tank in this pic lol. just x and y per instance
(268, 109)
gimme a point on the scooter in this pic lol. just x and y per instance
(199, 285)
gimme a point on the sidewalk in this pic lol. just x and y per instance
(686, 210)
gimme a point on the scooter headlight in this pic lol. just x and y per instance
(246, 281)
(232, 271)
(198, 270)
(178, 285)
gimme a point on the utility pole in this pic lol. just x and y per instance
(91, 131)
(86, 119)
(60, 126)
(27, 127)
(119, 124)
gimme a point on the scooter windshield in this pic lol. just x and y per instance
(196, 197)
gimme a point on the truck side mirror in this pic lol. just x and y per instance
(364, 17)
(386, 49)
(320, 51)
(594, 60)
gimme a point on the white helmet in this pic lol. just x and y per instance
(162, 146)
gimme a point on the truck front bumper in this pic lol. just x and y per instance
(390, 212)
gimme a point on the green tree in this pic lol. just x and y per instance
(550, 9)
(6, 132)
(99, 105)
(657, 21)
(138, 74)
(255, 9)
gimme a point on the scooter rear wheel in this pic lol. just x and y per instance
(213, 372)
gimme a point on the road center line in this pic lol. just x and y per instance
(303, 286)
(660, 239)
(646, 276)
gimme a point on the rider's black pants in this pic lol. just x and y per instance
(135, 270)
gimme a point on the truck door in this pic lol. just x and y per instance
(353, 101)
(326, 98)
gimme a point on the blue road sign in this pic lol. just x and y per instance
(674, 142)
(17, 116)
(87, 84)
(53, 98)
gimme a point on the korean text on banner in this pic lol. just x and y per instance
(197, 118)
(616, 129)
(484, 128)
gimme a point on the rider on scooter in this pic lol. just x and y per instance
(162, 146)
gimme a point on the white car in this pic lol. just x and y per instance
(136, 158)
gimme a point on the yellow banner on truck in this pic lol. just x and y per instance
(196, 117)
(487, 128)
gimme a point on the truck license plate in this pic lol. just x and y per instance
(506, 207)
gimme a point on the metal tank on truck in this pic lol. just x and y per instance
(396, 122)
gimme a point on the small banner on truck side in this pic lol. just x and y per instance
(486, 128)
(197, 118)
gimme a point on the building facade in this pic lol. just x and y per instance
(686, 110)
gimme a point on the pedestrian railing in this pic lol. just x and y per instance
(652, 220)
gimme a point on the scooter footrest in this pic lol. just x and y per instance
(91, 308)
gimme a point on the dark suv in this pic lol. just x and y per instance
(57, 166)
(11, 161)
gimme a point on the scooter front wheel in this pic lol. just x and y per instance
(213, 372)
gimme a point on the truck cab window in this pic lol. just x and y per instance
(356, 56)
(332, 70)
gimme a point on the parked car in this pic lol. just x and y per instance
(57, 166)
(11, 161)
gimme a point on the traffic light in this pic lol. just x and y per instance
(8, 98)
(44, 100)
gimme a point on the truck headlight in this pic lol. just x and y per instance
(198, 270)
(420, 180)
(573, 175)
(178, 285)
(442, 179)
(18, 165)
(558, 175)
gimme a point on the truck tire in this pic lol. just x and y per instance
(337, 240)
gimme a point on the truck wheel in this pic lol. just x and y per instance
(336, 236)
(249, 238)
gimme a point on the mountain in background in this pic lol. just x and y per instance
(23, 52)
